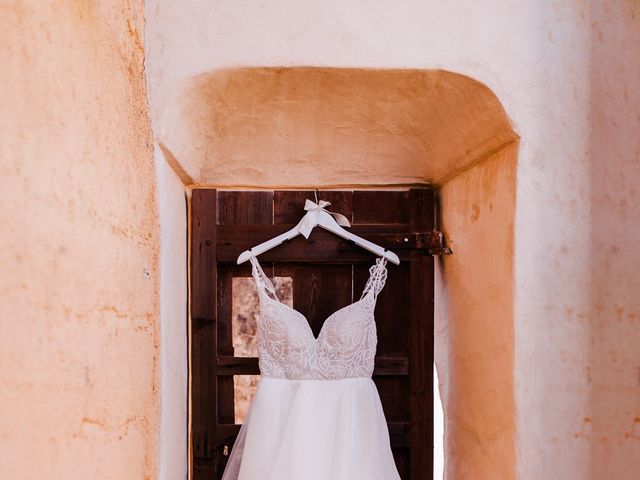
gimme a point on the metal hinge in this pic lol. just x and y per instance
(436, 244)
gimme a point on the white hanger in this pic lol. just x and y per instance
(317, 216)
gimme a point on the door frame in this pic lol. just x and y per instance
(205, 251)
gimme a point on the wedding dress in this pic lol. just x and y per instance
(316, 414)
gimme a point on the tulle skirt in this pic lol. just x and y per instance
(313, 430)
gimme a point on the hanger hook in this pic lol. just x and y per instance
(316, 193)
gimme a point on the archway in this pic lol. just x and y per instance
(334, 128)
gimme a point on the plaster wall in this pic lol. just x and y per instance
(79, 297)
(613, 425)
(342, 140)
(324, 126)
(474, 319)
(173, 381)
(561, 70)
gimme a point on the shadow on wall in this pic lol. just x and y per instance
(309, 127)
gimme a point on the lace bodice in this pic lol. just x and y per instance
(345, 347)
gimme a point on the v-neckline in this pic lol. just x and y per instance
(277, 301)
(306, 320)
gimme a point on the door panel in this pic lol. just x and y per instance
(325, 273)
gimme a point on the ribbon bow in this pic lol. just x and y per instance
(310, 220)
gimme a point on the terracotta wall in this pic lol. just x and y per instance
(79, 295)
(566, 73)
(474, 319)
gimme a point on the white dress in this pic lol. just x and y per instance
(316, 414)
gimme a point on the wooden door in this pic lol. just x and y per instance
(326, 273)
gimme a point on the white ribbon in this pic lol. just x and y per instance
(310, 220)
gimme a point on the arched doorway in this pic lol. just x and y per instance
(310, 127)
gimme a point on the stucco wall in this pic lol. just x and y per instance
(369, 128)
(79, 246)
(323, 126)
(79, 331)
(566, 73)
(173, 381)
(474, 319)
(613, 426)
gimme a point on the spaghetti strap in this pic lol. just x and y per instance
(262, 280)
(377, 278)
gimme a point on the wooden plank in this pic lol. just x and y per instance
(266, 231)
(421, 341)
(203, 468)
(224, 341)
(243, 208)
(392, 319)
(203, 396)
(401, 457)
(259, 232)
(225, 305)
(391, 307)
(203, 307)
(391, 366)
(322, 246)
(394, 393)
(399, 433)
(377, 206)
(319, 291)
(238, 366)
(236, 208)
(288, 205)
(203, 253)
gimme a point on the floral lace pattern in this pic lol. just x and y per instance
(345, 347)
